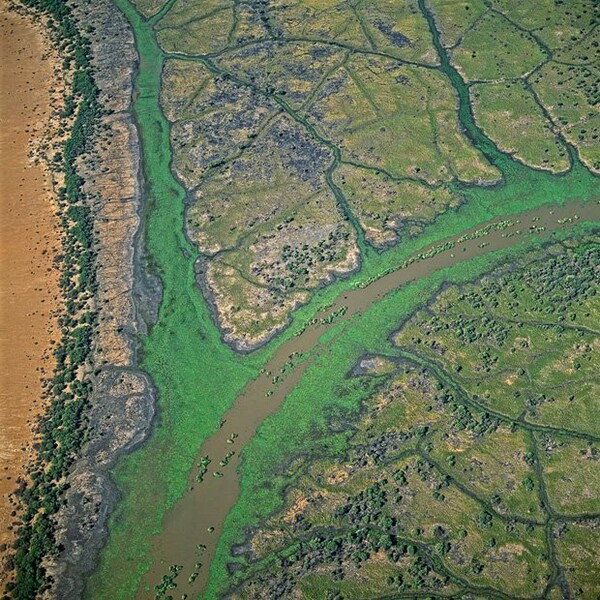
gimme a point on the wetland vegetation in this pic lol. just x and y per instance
(471, 462)
(437, 440)
(244, 109)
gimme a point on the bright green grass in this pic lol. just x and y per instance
(315, 399)
(579, 550)
(453, 19)
(183, 351)
(495, 49)
(556, 24)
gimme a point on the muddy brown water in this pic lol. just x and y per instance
(29, 292)
(205, 505)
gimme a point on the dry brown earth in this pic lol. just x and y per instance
(29, 239)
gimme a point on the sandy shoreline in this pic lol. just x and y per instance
(29, 243)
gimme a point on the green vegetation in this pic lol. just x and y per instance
(454, 19)
(149, 7)
(510, 114)
(273, 105)
(311, 420)
(571, 96)
(547, 55)
(261, 131)
(495, 48)
(298, 132)
(374, 109)
(386, 206)
(197, 26)
(213, 148)
(515, 361)
(436, 487)
(577, 547)
(557, 24)
(261, 201)
(570, 470)
(201, 27)
(62, 427)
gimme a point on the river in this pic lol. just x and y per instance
(205, 505)
(201, 381)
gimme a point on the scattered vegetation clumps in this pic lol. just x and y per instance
(255, 198)
(397, 30)
(438, 488)
(294, 71)
(390, 209)
(513, 338)
(439, 248)
(263, 118)
(197, 26)
(61, 430)
(577, 549)
(557, 24)
(495, 48)
(261, 210)
(202, 468)
(213, 120)
(454, 20)
(373, 524)
(374, 109)
(571, 95)
(346, 89)
(570, 469)
(200, 27)
(167, 583)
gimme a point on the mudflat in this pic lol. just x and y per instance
(29, 241)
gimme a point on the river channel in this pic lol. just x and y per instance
(198, 517)
(201, 381)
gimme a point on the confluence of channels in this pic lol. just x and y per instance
(184, 351)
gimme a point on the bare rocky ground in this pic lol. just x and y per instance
(122, 403)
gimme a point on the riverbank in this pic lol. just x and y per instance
(185, 526)
(120, 408)
(30, 233)
(93, 160)
(98, 405)
(184, 349)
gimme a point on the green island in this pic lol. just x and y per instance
(375, 226)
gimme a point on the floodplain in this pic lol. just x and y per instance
(464, 176)
(312, 173)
